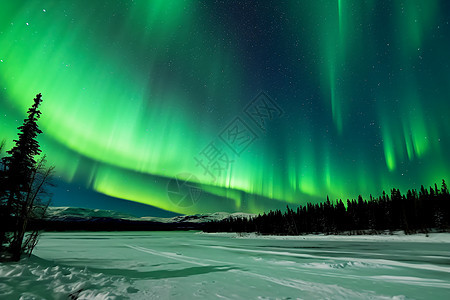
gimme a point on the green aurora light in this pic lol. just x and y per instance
(134, 90)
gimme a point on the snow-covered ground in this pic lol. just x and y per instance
(387, 236)
(190, 265)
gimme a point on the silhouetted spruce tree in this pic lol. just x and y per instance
(444, 189)
(23, 181)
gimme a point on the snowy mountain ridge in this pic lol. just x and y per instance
(79, 213)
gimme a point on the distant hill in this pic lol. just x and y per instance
(62, 213)
(77, 218)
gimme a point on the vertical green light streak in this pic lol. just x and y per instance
(340, 18)
(335, 105)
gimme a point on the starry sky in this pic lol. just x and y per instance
(203, 106)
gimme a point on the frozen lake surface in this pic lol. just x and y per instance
(191, 265)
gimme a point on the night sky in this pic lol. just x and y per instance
(204, 106)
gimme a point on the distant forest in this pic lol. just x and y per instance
(413, 212)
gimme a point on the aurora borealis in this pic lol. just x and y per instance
(134, 91)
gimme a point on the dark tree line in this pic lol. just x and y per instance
(411, 212)
(22, 188)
